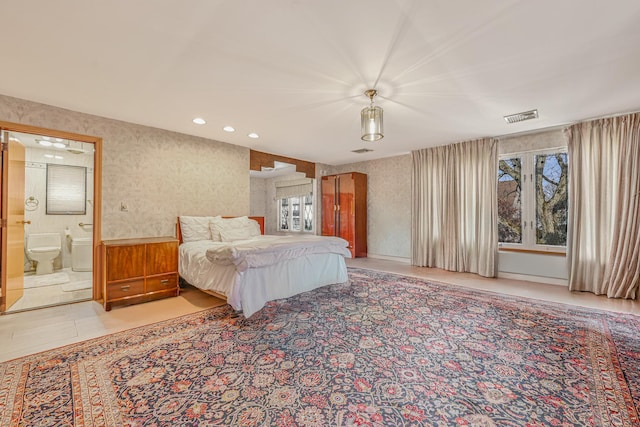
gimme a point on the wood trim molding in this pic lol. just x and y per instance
(97, 187)
(258, 159)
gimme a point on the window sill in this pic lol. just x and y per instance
(534, 251)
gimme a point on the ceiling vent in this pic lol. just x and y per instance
(362, 150)
(520, 117)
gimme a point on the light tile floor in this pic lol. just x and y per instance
(55, 294)
(541, 291)
(33, 331)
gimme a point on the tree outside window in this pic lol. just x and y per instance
(532, 200)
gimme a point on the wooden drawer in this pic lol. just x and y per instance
(139, 270)
(125, 289)
(161, 283)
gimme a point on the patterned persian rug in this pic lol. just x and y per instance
(383, 350)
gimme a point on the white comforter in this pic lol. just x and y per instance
(267, 250)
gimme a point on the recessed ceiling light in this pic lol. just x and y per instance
(49, 156)
(46, 137)
(58, 157)
(253, 135)
(228, 129)
(199, 121)
(59, 145)
(44, 143)
(59, 139)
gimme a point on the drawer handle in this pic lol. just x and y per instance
(125, 287)
(164, 281)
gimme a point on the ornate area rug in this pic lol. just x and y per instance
(383, 350)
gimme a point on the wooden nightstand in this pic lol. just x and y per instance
(139, 270)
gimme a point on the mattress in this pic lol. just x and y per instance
(251, 288)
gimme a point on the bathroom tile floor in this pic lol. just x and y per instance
(28, 332)
(60, 287)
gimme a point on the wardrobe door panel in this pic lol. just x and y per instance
(329, 205)
(346, 209)
(360, 217)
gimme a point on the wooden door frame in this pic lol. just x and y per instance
(97, 193)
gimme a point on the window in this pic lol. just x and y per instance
(532, 200)
(296, 214)
(66, 190)
(295, 204)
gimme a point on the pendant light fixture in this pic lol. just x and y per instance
(371, 119)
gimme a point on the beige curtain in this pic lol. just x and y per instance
(604, 206)
(454, 207)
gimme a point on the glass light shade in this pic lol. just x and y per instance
(371, 121)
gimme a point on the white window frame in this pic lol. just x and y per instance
(528, 202)
(302, 215)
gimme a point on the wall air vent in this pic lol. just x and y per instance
(362, 150)
(519, 117)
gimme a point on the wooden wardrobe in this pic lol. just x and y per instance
(344, 209)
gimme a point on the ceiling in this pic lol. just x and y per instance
(294, 71)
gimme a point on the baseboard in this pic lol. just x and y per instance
(537, 279)
(390, 258)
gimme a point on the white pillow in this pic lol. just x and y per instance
(254, 228)
(233, 234)
(195, 228)
(240, 226)
(215, 225)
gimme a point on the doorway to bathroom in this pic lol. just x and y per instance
(49, 219)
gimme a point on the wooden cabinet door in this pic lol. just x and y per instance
(346, 209)
(162, 258)
(125, 262)
(328, 189)
(360, 217)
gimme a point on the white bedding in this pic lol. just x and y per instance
(251, 272)
(261, 251)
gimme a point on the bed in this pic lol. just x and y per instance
(232, 259)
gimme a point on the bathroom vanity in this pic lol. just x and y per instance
(139, 270)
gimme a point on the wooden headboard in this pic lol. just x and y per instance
(258, 219)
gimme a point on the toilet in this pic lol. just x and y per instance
(43, 248)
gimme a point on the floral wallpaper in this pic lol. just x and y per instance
(258, 197)
(157, 174)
